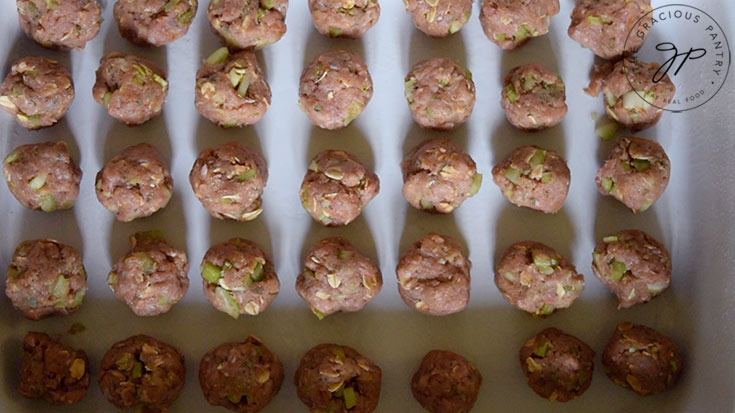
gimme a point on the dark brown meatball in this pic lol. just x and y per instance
(244, 24)
(60, 24)
(446, 383)
(511, 23)
(154, 22)
(439, 18)
(533, 98)
(344, 18)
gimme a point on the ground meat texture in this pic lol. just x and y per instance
(229, 181)
(60, 24)
(242, 377)
(38, 91)
(154, 22)
(231, 90)
(537, 279)
(142, 372)
(440, 94)
(642, 359)
(337, 379)
(439, 18)
(603, 26)
(43, 176)
(446, 383)
(438, 176)
(534, 178)
(558, 366)
(344, 18)
(337, 277)
(533, 98)
(244, 24)
(511, 23)
(633, 265)
(238, 278)
(131, 88)
(45, 278)
(334, 89)
(337, 187)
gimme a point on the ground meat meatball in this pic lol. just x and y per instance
(534, 178)
(131, 88)
(154, 22)
(142, 372)
(440, 94)
(334, 88)
(337, 187)
(511, 23)
(337, 277)
(44, 278)
(344, 18)
(244, 24)
(434, 276)
(537, 279)
(229, 181)
(633, 265)
(438, 176)
(603, 26)
(231, 90)
(242, 377)
(238, 278)
(558, 366)
(642, 359)
(43, 176)
(60, 24)
(446, 383)
(38, 91)
(151, 277)
(338, 379)
(533, 98)
(439, 18)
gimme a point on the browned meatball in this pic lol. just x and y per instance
(154, 22)
(633, 265)
(38, 91)
(60, 24)
(533, 98)
(446, 383)
(558, 366)
(511, 23)
(439, 18)
(229, 181)
(242, 377)
(238, 278)
(244, 24)
(43, 176)
(642, 359)
(338, 379)
(334, 89)
(344, 18)
(143, 373)
(45, 278)
(131, 88)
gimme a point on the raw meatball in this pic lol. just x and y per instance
(242, 377)
(642, 359)
(440, 94)
(511, 23)
(603, 26)
(244, 24)
(38, 91)
(533, 98)
(439, 18)
(60, 24)
(238, 278)
(338, 379)
(53, 371)
(337, 187)
(135, 183)
(636, 173)
(229, 181)
(446, 383)
(151, 277)
(633, 265)
(334, 89)
(434, 276)
(131, 88)
(344, 18)
(43, 176)
(534, 178)
(536, 279)
(558, 366)
(337, 277)
(154, 22)
(142, 372)
(232, 90)
(45, 278)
